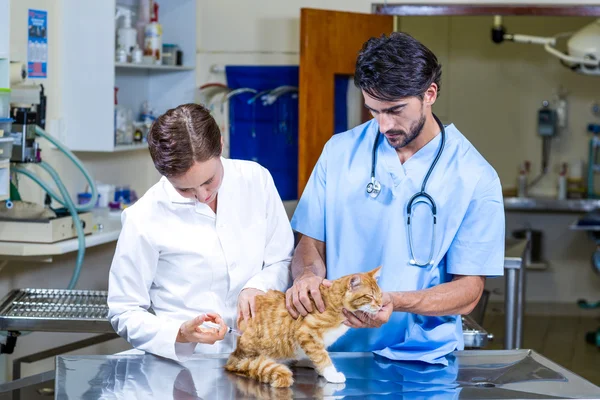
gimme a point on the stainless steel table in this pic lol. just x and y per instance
(475, 374)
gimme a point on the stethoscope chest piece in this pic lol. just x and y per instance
(373, 188)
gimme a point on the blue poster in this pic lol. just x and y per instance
(37, 44)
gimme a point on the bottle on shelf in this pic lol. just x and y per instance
(153, 37)
(562, 182)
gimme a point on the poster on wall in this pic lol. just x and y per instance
(37, 44)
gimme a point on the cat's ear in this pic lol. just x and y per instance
(355, 282)
(376, 273)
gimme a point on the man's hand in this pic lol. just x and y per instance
(298, 297)
(191, 331)
(360, 319)
(246, 303)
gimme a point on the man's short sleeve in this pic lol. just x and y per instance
(478, 248)
(309, 217)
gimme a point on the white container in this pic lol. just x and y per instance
(5, 127)
(4, 102)
(522, 187)
(4, 180)
(562, 187)
(576, 169)
(6, 145)
(127, 35)
(105, 191)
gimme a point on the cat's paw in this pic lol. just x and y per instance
(333, 376)
(282, 378)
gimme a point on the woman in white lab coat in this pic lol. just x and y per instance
(199, 245)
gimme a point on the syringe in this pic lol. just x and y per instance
(208, 324)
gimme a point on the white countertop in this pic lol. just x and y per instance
(111, 227)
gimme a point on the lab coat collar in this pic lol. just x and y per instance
(202, 208)
(173, 195)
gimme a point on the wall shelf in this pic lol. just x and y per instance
(94, 73)
(118, 148)
(131, 147)
(150, 67)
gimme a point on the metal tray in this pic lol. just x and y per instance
(474, 335)
(55, 310)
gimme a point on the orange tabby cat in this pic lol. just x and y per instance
(272, 334)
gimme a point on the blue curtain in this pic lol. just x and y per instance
(268, 134)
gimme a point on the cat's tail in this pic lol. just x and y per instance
(262, 369)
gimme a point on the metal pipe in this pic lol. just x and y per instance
(521, 283)
(510, 308)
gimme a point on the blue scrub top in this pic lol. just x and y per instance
(362, 233)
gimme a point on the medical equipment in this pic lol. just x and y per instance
(30, 222)
(374, 188)
(548, 123)
(590, 223)
(25, 148)
(583, 52)
(26, 151)
(208, 324)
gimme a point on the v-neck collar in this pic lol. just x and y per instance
(389, 157)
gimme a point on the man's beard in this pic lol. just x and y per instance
(400, 138)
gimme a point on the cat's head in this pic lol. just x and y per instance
(363, 293)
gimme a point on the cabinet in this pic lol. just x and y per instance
(89, 72)
(4, 83)
(4, 43)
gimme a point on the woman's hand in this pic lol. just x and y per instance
(191, 331)
(246, 303)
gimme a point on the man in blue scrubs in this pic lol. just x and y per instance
(345, 230)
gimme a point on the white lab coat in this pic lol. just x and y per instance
(176, 256)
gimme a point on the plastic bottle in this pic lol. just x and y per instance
(523, 178)
(143, 20)
(562, 183)
(127, 35)
(522, 188)
(153, 37)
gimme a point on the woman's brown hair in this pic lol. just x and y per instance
(182, 136)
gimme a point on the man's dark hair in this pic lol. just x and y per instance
(182, 136)
(389, 68)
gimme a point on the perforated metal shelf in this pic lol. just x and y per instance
(55, 310)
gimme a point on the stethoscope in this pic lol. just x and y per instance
(374, 188)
